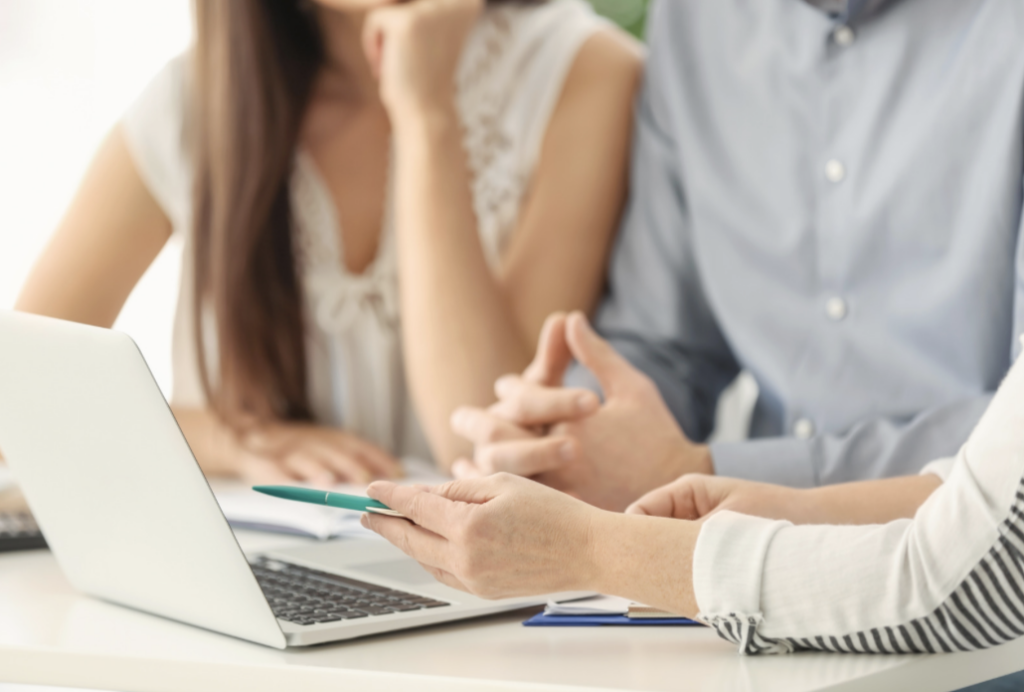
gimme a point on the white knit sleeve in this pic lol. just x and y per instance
(950, 579)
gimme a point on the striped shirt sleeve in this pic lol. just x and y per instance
(950, 579)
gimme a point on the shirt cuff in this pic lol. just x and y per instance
(940, 467)
(728, 564)
(779, 460)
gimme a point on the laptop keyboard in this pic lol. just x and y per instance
(18, 531)
(308, 597)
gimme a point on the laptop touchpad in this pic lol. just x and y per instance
(404, 571)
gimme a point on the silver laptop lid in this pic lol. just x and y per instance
(112, 482)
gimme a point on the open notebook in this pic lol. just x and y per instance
(247, 509)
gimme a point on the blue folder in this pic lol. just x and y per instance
(542, 620)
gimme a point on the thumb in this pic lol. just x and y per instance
(675, 500)
(613, 372)
(553, 355)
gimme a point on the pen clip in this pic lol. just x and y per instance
(385, 512)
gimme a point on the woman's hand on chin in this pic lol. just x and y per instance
(413, 49)
(282, 452)
(495, 537)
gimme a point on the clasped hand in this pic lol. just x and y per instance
(606, 454)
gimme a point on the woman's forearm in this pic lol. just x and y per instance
(460, 333)
(212, 443)
(645, 559)
(650, 559)
(867, 502)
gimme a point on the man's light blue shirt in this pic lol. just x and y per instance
(832, 202)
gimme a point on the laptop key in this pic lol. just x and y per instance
(374, 610)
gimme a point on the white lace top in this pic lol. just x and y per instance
(509, 80)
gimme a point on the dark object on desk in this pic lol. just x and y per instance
(18, 531)
(542, 620)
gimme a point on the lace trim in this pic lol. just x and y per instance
(337, 297)
(490, 147)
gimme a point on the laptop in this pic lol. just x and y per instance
(130, 517)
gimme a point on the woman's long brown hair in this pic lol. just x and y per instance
(254, 68)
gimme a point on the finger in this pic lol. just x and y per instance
(477, 491)
(464, 468)
(418, 543)
(309, 467)
(427, 509)
(529, 404)
(482, 427)
(597, 355)
(675, 500)
(259, 470)
(526, 457)
(553, 355)
(346, 467)
(376, 460)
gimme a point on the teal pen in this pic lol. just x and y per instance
(322, 497)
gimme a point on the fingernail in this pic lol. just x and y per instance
(365, 521)
(587, 402)
(567, 451)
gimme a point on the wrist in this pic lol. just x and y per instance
(646, 559)
(700, 460)
(416, 121)
(689, 458)
(608, 535)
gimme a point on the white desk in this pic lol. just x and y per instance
(50, 635)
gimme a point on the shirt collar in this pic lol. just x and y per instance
(848, 10)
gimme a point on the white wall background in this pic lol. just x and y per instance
(68, 69)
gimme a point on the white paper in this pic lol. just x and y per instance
(592, 605)
(245, 508)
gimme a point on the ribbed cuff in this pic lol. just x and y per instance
(728, 563)
(780, 460)
(940, 467)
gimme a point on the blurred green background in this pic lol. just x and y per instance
(629, 14)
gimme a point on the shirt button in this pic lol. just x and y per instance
(844, 36)
(803, 429)
(835, 171)
(836, 309)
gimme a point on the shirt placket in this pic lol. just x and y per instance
(835, 163)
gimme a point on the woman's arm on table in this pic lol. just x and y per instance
(463, 324)
(865, 502)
